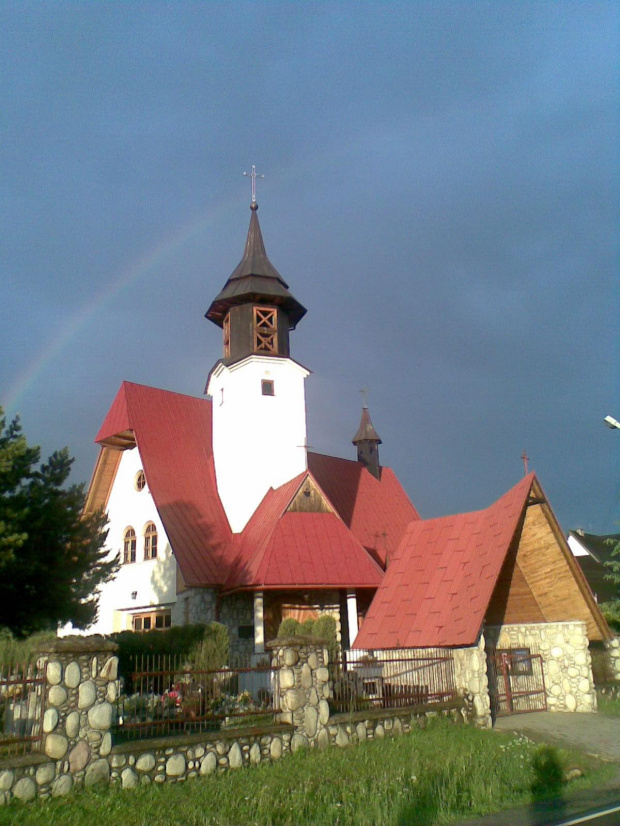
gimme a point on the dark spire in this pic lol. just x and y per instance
(255, 281)
(367, 441)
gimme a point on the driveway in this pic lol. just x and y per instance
(592, 733)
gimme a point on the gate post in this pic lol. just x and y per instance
(471, 678)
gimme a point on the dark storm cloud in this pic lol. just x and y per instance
(441, 193)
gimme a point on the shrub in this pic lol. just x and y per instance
(212, 651)
(180, 640)
(18, 651)
(289, 627)
(325, 628)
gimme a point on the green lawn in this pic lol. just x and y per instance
(609, 706)
(426, 777)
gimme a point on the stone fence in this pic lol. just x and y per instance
(78, 699)
(80, 691)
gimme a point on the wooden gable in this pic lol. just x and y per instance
(540, 580)
(103, 479)
(309, 499)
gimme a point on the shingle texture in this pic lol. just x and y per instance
(439, 583)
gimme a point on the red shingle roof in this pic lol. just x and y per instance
(376, 510)
(299, 550)
(438, 586)
(173, 434)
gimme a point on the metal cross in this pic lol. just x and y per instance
(364, 392)
(253, 176)
(526, 459)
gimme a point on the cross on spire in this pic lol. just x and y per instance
(253, 176)
(364, 392)
(526, 459)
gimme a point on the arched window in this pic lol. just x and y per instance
(129, 546)
(150, 541)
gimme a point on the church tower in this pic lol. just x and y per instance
(259, 409)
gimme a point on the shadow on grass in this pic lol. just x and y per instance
(423, 810)
(548, 785)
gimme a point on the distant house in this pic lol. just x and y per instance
(592, 552)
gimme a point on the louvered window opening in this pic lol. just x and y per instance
(226, 331)
(265, 330)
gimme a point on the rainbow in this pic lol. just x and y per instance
(138, 269)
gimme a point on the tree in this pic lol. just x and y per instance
(611, 609)
(52, 558)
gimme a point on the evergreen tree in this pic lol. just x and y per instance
(51, 554)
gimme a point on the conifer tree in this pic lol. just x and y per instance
(52, 557)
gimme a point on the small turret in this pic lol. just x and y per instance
(367, 441)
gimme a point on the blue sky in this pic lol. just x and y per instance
(441, 193)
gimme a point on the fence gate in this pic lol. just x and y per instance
(516, 682)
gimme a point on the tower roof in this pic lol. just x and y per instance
(366, 431)
(255, 279)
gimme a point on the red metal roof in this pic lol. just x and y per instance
(376, 510)
(299, 550)
(173, 434)
(438, 586)
(276, 549)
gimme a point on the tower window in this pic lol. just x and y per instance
(140, 480)
(267, 387)
(265, 330)
(129, 546)
(150, 541)
(226, 330)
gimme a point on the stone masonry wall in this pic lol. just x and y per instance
(613, 649)
(567, 665)
(78, 697)
(194, 605)
(303, 688)
(235, 611)
(78, 700)
(471, 678)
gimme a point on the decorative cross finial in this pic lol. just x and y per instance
(364, 392)
(253, 176)
(526, 459)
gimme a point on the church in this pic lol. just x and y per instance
(220, 511)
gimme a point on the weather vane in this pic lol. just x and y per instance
(253, 176)
(364, 392)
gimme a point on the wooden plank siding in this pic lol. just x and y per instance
(540, 580)
(309, 499)
(103, 479)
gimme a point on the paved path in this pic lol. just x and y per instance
(591, 733)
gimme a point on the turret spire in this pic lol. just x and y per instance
(367, 441)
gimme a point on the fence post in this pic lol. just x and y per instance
(471, 677)
(302, 688)
(78, 702)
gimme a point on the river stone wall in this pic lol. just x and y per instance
(78, 699)
(567, 664)
(613, 650)
(303, 688)
(472, 682)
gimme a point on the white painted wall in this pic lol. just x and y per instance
(576, 547)
(154, 580)
(258, 441)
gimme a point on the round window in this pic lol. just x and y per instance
(140, 480)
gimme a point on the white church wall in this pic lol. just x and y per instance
(153, 581)
(258, 440)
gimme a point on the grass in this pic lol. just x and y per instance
(423, 778)
(609, 706)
